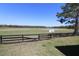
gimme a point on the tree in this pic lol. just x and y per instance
(70, 14)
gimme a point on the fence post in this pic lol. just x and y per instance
(39, 37)
(1, 39)
(50, 35)
(22, 37)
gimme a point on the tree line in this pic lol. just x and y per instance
(21, 26)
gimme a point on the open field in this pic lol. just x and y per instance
(5, 31)
(40, 48)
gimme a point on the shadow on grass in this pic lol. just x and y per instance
(72, 50)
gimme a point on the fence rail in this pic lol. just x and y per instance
(31, 37)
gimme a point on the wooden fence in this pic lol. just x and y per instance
(30, 37)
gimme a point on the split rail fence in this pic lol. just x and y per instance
(30, 37)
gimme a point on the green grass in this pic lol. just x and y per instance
(5, 31)
(40, 48)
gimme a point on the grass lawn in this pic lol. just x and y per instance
(40, 48)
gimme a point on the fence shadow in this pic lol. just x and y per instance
(72, 50)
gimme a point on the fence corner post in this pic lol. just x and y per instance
(0, 39)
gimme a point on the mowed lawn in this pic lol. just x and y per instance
(36, 48)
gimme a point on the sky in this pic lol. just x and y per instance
(35, 14)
